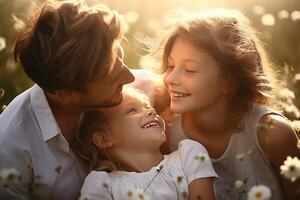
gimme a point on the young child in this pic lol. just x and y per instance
(220, 85)
(121, 147)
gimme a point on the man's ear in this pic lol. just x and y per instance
(102, 140)
(64, 95)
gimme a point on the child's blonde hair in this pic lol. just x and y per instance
(98, 121)
(227, 36)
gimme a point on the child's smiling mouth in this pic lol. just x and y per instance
(153, 123)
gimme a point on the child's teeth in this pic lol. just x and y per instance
(150, 124)
(179, 95)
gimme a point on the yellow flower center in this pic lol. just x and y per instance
(292, 168)
(258, 194)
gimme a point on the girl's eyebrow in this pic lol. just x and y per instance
(130, 104)
(192, 61)
(187, 60)
(137, 104)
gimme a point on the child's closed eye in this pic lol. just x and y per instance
(190, 71)
(130, 110)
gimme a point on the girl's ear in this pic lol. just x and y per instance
(230, 84)
(102, 140)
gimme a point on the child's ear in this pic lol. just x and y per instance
(230, 84)
(102, 140)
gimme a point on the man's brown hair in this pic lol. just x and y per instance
(65, 45)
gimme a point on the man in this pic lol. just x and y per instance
(73, 55)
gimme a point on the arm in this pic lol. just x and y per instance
(278, 142)
(201, 189)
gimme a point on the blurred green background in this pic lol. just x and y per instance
(277, 21)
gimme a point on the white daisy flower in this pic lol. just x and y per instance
(295, 15)
(283, 14)
(203, 158)
(10, 175)
(291, 168)
(240, 156)
(268, 19)
(240, 185)
(259, 192)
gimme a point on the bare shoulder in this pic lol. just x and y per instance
(277, 137)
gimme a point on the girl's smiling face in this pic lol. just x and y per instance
(135, 126)
(192, 77)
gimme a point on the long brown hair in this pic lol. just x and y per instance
(227, 36)
(65, 45)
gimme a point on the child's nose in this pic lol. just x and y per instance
(172, 78)
(150, 112)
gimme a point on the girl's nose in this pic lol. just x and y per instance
(172, 78)
(150, 112)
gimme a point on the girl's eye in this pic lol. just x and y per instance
(130, 110)
(190, 71)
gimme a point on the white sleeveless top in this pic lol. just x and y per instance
(255, 167)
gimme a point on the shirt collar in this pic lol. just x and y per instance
(43, 113)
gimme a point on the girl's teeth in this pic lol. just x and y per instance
(179, 95)
(151, 124)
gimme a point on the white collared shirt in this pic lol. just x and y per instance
(31, 141)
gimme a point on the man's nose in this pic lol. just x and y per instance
(127, 75)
